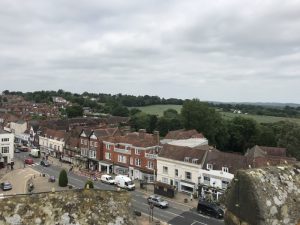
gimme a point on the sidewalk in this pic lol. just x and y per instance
(179, 197)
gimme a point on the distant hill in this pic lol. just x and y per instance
(266, 104)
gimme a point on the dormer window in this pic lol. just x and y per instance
(195, 161)
(187, 159)
(209, 166)
(225, 169)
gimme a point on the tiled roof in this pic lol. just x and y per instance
(135, 139)
(220, 159)
(50, 133)
(273, 151)
(183, 134)
(179, 153)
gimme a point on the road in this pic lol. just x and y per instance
(176, 214)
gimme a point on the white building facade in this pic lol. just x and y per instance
(183, 175)
(53, 146)
(6, 147)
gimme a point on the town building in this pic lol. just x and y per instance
(6, 147)
(133, 154)
(180, 166)
(52, 142)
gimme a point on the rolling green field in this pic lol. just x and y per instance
(159, 109)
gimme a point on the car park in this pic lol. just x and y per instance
(105, 178)
(6, 186)
(45, 163)
(157, 201)
(210, 209)
(29, 161)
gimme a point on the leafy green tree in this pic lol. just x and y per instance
(198, 115)
(134, 111)
(74, 111)
(90, 183)
(63, 178)
(120, 111)
(243, 133)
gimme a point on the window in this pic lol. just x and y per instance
(5, 149)
(176, 172)
(131, 161)
(150, 164)
(91, 143)
(188, 175)
(209, 166)
(82, 141)
(95, 144)
(138, 162)
(50, 145)
(195, 161)
(108, 146)
(137, 151)
(165, 180)
(122, 159)
(5, 139)
(93, 154)
(108, 155)
(187, 159)
(85, 142)
(206, 178)
(225, 169)
(58, 148)
(165, 169)
(54, 147)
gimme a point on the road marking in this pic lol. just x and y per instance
(174, 214)
(196, 221)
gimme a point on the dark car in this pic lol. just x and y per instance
(210, 209)
(28, 161)
(45, 163)
(157, 201)
(17, 150)
(5, 186)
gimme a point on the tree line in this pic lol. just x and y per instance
(236, 135)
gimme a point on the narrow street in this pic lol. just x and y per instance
(176, 214)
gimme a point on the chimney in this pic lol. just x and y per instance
(156, 136)
(142, 133)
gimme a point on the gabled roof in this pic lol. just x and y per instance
(180, 153)
(273, 151)
(219, 159)
(183, 134)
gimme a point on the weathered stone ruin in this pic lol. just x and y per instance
(266, 196)
(68, 208)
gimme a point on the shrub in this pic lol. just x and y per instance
(63, 179)
(90, 183)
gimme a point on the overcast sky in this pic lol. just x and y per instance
(212, 50)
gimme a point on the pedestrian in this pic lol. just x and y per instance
(191, 197)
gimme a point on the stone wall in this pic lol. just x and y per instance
(68, 208)
(266, 196)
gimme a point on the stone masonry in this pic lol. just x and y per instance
(266, 196)
(75, 207)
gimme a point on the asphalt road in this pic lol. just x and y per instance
(175, 214)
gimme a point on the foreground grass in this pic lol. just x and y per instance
(159, 110)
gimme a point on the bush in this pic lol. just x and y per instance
(63, 179)
(90, 183)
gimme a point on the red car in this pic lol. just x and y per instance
(28, 161)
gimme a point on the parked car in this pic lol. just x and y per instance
(45, 163)
(17, 150)
(24, 149)
(157, 201)
(105, 178)
(5, 186)
(210, 209)
(51, 179)
(28, 161)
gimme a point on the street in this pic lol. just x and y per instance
(175, 214)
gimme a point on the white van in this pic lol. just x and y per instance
(107, 179)
(124, 182)
(35, 153)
